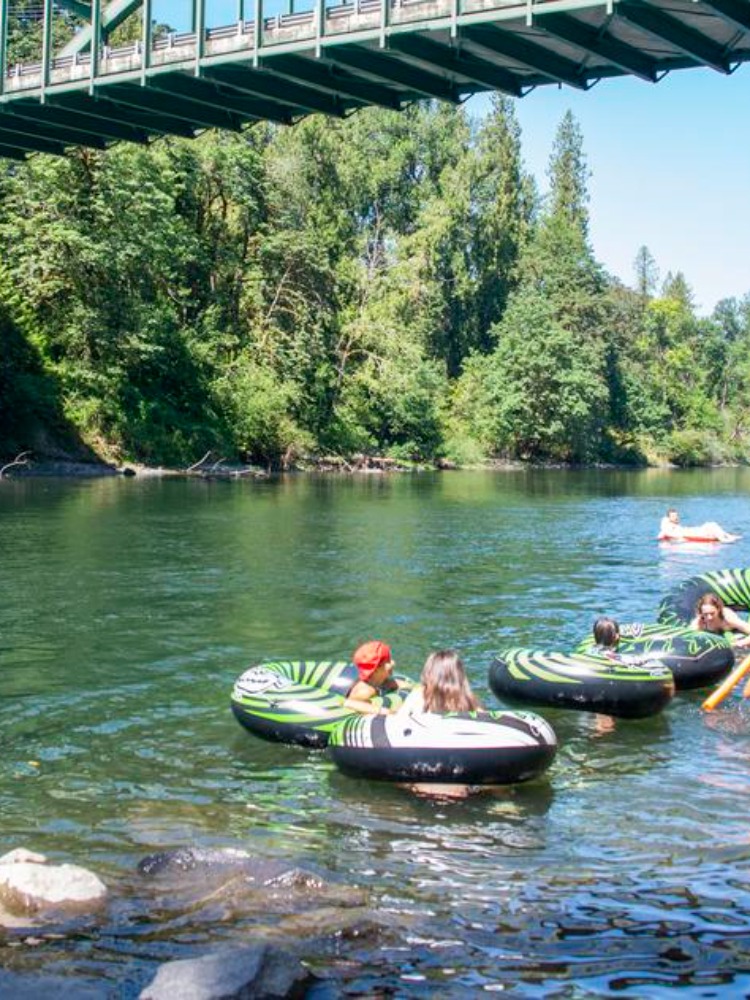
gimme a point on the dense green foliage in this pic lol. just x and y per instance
(390, 283)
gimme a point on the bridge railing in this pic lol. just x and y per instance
(318, 24)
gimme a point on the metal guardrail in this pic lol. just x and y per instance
(315, 17)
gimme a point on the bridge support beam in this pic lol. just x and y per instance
(111, 16)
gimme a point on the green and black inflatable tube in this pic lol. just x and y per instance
(585, 682)
(696, 659)
(297, 701)
(731, 585)
(472, 748)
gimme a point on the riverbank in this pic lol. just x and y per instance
(209, 468)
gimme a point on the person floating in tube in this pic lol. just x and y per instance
(443, 687)
(375, 665)
(670, 530)
(711, 615)
(607, 639)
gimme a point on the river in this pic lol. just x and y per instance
(130, 606)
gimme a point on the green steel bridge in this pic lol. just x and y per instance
(333, 58)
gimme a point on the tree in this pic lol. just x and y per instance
(646, 273)
(568, 175)
(543, 386)
(677, 289)
(503, 202)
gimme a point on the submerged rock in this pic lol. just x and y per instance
(198, 861)
(28, 885)
(201, 860)
(226, 884)
(188, 859)
(22, 987)
(260, 971)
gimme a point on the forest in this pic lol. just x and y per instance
(390, 284)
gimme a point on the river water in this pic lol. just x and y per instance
(130, 606)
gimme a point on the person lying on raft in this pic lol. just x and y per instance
(607, 639)
(443, 687)
(670, 530)
(375, 664)
(711, 615)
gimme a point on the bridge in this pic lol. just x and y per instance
(335, 58)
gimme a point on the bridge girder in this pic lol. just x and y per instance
(334, 60)
(112, 16)
(733, 11)
(78, 7)
(599, 43)
(457, 62)
(331, 79)
(668, 29)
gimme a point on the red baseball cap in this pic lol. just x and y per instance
(370, 656)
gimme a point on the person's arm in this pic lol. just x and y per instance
(414, 701)
(737, 624)
(365, 707)
(402, 684)
(360, 700)
(697, 624)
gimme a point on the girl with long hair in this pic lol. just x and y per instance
(443, 687)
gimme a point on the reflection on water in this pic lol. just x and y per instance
(130, 607)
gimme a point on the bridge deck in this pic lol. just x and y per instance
(338, 58)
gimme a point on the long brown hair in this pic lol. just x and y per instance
(714, 600)
(446, 686)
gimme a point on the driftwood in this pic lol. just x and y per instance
(359, 463)
(20, 459)
(206, 468)
(209, 467)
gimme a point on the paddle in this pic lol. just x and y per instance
(726, 686)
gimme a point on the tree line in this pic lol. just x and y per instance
(391, 284)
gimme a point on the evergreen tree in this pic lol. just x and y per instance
(646, 273)
(501, 213)
(677, 289)
(568, 175)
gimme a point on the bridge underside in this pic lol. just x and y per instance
(336, 59)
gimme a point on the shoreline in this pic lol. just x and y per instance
(76, 469)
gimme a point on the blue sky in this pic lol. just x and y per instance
(670, 164)
(670, 168)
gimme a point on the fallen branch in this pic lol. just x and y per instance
(20, 459)
(200, 462)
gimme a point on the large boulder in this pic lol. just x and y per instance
(30, 886)
(260, 972)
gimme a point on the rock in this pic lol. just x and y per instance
(261, 972)
(261, 871)
(225, 880)
(21, 854)
(335, 921)
(188, 859)
(294, 878)
(30, 886)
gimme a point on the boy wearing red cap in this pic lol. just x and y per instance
(375, 664)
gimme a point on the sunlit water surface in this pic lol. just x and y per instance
(129, 607)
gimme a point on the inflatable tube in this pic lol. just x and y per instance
(297, 701)
(585, 682)
(693, 538)
(474, 748)
(696, 659)
(731, 585)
